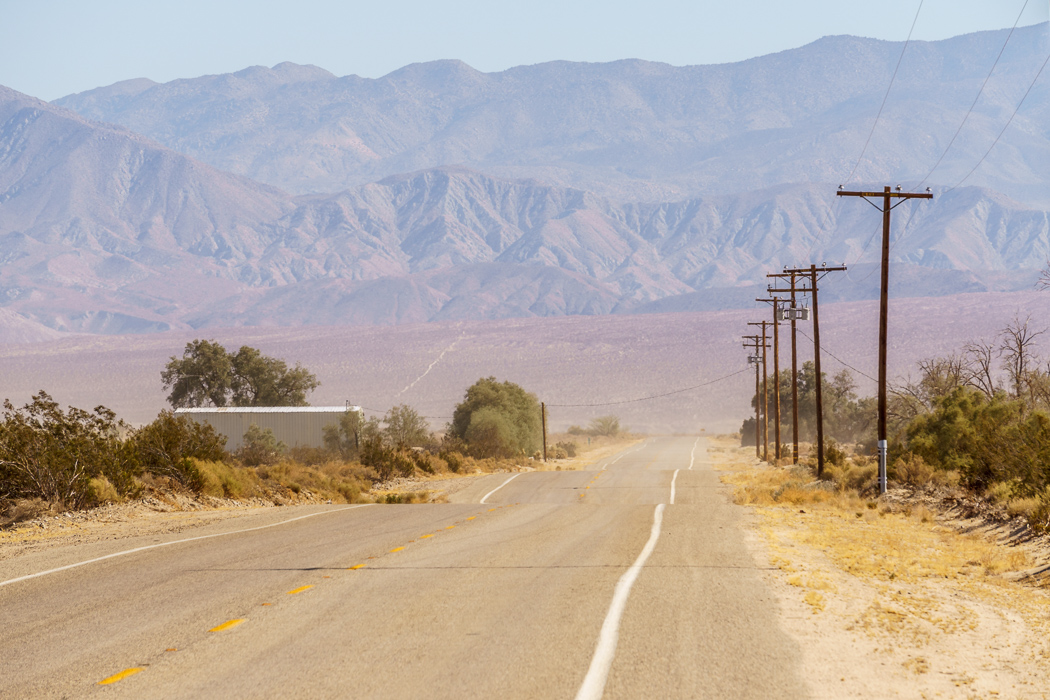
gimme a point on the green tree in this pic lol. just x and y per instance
(405, 428)
(497, 419)
(207, 374)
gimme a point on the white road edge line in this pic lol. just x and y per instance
(692, 452)
(624, 454)
(168, 544)
(673, 479)
(594, 683)
(485, 497)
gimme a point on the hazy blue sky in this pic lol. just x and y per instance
(50, 48)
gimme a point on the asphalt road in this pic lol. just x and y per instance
(560, 585)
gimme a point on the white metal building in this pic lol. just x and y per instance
(295, 426)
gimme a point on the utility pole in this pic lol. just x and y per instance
(765, 391)
(793, 312)
(812, 272)
(543, 420)
(776, 371)
(756, 360)
(887, 196)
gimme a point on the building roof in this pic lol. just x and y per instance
(269, 409)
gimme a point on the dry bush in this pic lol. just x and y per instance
(225, 481)
(912, 469)
(102, 491)
(24, 509)
(337, 480)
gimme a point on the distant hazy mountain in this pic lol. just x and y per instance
(104, 231)
(631, 130)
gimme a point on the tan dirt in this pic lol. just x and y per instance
(895, 605)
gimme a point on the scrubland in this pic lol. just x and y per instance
(921, 593)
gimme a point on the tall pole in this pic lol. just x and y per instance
(765, 387)
(887, 195)
(794, 379)
(776, 378)
(820, 379)
(758, 413)
(759, 407)
(543, 420)
(813, 273)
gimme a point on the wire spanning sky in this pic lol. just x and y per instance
(51, 48)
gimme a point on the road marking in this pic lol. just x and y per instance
(673, 479)
(300, 589)
(356, 566)
(624, 454)
(486, 496)
(227, 625)
(423, 537)
(472, 517)
(396, 549)
(120, 676)
(450, 527)
(594, 682)
(168, 544)
(692, 452)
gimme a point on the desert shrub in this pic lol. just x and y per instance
(260, 447)
(386, 461)
(911, 469)
(223, 480)
(497, 419)
(405, 428)
(987, 439)
(605, 425)
(454, 460)
(833, 454)
(422, 461)
(557, 452)
(53, 455)
(568, 447)
(576, 430)
(167, 447)
(101, 491)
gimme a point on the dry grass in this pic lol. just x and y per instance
(935, 601)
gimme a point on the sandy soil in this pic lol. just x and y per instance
(903, 605)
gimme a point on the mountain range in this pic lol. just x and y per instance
(286, 195)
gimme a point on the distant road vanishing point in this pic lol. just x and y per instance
(629, 580)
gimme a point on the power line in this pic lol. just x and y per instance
(821, 231)
(824, 348)
(648, 398)
(1008, 122)
(887, 95)
(979, 93)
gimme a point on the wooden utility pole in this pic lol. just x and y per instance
(543, 420)
(887, 197)
(756, 360)
(765, 391)
(794, 361)
(812, 273)
(776, 372)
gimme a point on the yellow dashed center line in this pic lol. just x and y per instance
(120, 676)
(356, 566)
(300, 589)
(227, 625)
(450, 527)
(396, 549)
(472, 517)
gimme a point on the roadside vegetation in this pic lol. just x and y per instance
(977, 421)
(54, 459)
